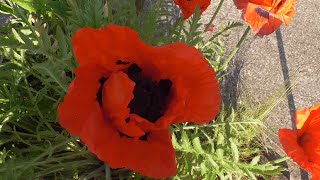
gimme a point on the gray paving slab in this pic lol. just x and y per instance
(263, 65)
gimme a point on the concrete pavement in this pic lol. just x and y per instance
(263, 65)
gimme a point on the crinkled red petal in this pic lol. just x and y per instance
(195, 93)
(289, 141)
(188, 7)
(81, 100)
(117, 94)
(303, 119)
(153, 158)
(264, 17)
(108, 45)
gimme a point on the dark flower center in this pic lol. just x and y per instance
(150, 97)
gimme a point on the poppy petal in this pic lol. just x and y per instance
(289, 140)
(315, 116)
(144, 124)
(288, 17)
(81, 100)
(241, 4)
(108, 45)
(316, 172)
(256, 16)
(264, 17)
(188, 7)
(286, 6)
(154, 157)
(262, 3)
(302, 115)
(309, 142)
(273, 24)
(117, 94)
(303, 145)
(195, 92)
(303, 118)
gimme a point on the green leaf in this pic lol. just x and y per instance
(185, 140)
(175, 142)
(197, 145)
(60, 8)
(16, 35)
(234, 149)
(44, 6)
(5, 9)
(27, 40)
(255, 160)
(62, 42)
(29, 5)
(40, 95)
(250, 174)
(211, 161)
(6, 41)
(220, 143)
(45, 40)
(228, 131)
(203, 169)
(52, 73)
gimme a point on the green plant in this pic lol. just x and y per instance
(224, 149)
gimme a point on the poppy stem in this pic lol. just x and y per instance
(235, 50)
(214, 15)
(108, 172)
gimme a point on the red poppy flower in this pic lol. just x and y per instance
(127, 93)
(303, 145)
(189, 6)
(211, 28)
(266, 16)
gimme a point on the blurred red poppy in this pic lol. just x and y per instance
(211, 28)
(189, 6)
(303, 145)
(127, 93)
(266, 16)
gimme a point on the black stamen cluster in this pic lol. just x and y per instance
(150, 97)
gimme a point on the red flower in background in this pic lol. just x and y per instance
(265, 16)
(127, 93)
(189, 6)
(303, 145)
(211, 28)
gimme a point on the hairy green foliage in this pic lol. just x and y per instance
(223, 149)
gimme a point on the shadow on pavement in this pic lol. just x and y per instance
(286, 78)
